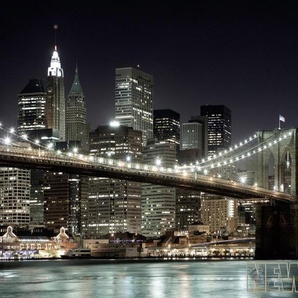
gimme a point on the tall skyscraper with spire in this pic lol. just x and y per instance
(55, 103)
(76, 122)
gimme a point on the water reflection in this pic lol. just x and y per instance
(94, 278)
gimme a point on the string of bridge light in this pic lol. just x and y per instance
(232, 149)
(204, 165)
(24, 137)
(211, 159)
(232, 159)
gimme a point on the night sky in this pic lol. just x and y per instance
(243, 54)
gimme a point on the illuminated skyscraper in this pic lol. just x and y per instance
(113, 205)
(14, 196)
(219, 127)
(76, 123)
(31, 122)
(158, 202)
(166, 126)
(134, 100)
(32, 103)
(63, 196)
(55, 104)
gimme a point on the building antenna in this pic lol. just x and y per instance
(56, 28)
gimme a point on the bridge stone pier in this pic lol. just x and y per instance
(277, 221)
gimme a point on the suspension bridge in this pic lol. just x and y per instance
(277, 219)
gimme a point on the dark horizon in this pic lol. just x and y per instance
(239, 54)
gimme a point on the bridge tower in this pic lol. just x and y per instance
(284, 154)
(277, 222)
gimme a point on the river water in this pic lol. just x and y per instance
(122, 279)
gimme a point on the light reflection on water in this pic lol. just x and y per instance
(96, 278)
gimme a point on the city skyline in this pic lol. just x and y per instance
(241, 55)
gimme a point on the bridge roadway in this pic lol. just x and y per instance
(100, 167)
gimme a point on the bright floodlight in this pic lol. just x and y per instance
(75, 150)
(158, 161)
(114, 124)
(128, 158)
(7, 141)
(11, 130)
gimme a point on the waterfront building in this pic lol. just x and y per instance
(33, 243)
(14, 196)
(219, 212)
(55, 103)
(219, 127)
(158, 202)
(76, 121)
(113, 205)
(134, 100)
(166, 126)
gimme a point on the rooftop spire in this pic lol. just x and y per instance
(55, 69)
(76, 89)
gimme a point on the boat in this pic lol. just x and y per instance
(77, 253)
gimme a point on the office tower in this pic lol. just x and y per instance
(55, 103)
(220, 212)
(76, 123)
(219, 127)
(14, 196)
(63, 194)
(113, 205)
(31, 106)
(166, 126)
(158, 202)
(134, 100)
